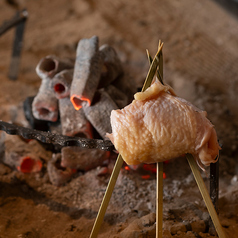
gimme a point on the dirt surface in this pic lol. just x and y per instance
(200, 62)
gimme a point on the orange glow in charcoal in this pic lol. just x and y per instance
(29, 165)
(59, 88)
(147, 176)
(77, 101)
(127, 168)
(150, 167)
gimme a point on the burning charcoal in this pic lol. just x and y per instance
(112, 66)
(73, 122)
(45, 104)
(99, 112)
(126, 85)
(49, 66)
(34, 123)
(87, 72)
(22, 155)
(58, 175)
(82, 159)
(120, 98)
(61, 83)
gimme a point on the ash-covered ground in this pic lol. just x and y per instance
(200, 63)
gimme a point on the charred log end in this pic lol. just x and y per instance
(61, 91)
(43, 111)
(58, 175)
(48, 65)
(59, 88)
(45, 114)
(29, 165)
(79, 102)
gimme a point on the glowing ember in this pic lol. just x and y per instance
(59, 88)
(147, 176)
(29, 165)
(151, 168)
(79, 101)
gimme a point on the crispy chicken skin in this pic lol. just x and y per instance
(159, 126)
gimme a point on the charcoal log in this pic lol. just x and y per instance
(58, 175)
(83, 159)
(22, 155)
(126, 84)
(87, 72)
(50, 65)
(34, 123)
(119, 97)
(73, 123)
(61, 83)
(45, 104)
(112, 67)
(99, 112)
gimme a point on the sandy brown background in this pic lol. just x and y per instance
(200, 62)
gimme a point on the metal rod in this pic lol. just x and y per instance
(19, 17)
(214, 188)
(17, 46)
(214, 183)
(159, 200)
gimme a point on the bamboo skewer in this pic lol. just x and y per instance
(159, 165)
(159, 200)
(119, 162)
(205, 195)
(107, 196)
(159, 173)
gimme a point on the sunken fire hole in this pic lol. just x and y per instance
(59, 88)
(48, 65)
(43, 111)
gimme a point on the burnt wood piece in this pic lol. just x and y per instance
(73, 122)
(78, 158)
(87, 72)
(45, 104)
(18, 18)
(112, 67)
(61, 83)
(50, 65)
(99, 112)
(17, 46)
(47, 137)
